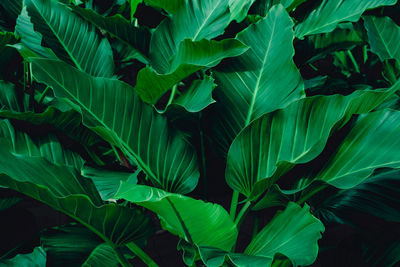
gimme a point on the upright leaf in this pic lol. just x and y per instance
(332, 12)
(112, 109)
(261, 80)
(384, 37)
(277, 141)
(71, 38)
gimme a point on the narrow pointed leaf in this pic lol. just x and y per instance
(261, 80)
(384, 37)
(187, 217)
(112, 109)
(332, 12)
(277, 141)
(293, 233)
(71, 38)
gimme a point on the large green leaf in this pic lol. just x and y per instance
(331, 12)
(189, 218)
(261, 80)
(117, 26)
(239, 9)
(384, 37)
(63, 189)
(112, 109)
(372, 143)
(71, 38)
(191, 57)
(35, 259)
(293, 233)
(277, 141)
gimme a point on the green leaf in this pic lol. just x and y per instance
(197, 20)
(261, 80)
(35, 259)
(239, 9)
(71, 38)
(187, 217)
(293, 233)
(8, 202)
(332, 12)
(118, 27)
(277, 141)
(261, 7)
(171, 6)
(112, 109)
(191, 57)
(364, 149)
(72, 245)
(384, 37)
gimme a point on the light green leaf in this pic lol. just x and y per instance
(293, 233)
(71, 38)
(187, 217)
(112, 109)
(277, 141)
(332, 12)
(239, 9)
(35, 259)
(261, 80)
(384, 37)
(191, 57)
(372, 143)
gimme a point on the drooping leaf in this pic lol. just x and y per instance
(344, 36)
(35, 259)
(187, 217)
(112, 109)
(293, 233)
(9, 11)
(71, 38)
(277, 141)
(239, 9)
(384, 37)
(117, 26)
(332, 12)
(261, 80)
(191, 57)
(364, 149)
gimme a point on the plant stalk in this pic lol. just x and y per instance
(141, 254)
(311, 193)
(242, 212)
(173, 93)
(42, 96)
(234, 203)
(353, 60)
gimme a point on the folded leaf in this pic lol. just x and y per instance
(190, 57)
(331, 12)
(277, 141)
(71, 38)
(187, 217)
(384, 37)
(35, 259)
(112, 109)
(261, 80)
(293, 233)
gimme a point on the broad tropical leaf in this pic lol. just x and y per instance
(293, 233)
(277, 141)
(384, 37)
(71, 38)
(332, 12)
(239, 9)
(261, 80)
(365, 149)
(112, 109)
(35, 259)
(191, 57)
(187, 217)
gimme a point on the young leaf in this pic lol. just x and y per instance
(71, 38)
(293, 233)
(187, 217)
(277, 141)
(384, 37)
(331, 12)
(261, 80)
(113, 110)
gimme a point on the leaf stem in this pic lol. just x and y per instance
(141, 254)
(242, 212)
(234, 203)
(353, 60)
(173, 93)
(43, 94)
(122, 260)
(255, 227)
(311, 193)
(365, 53)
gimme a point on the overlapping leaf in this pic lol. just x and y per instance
(112, 109)
(297, 134)
(331, 12)
(35, 259)
(71, 38)
(261, 80)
